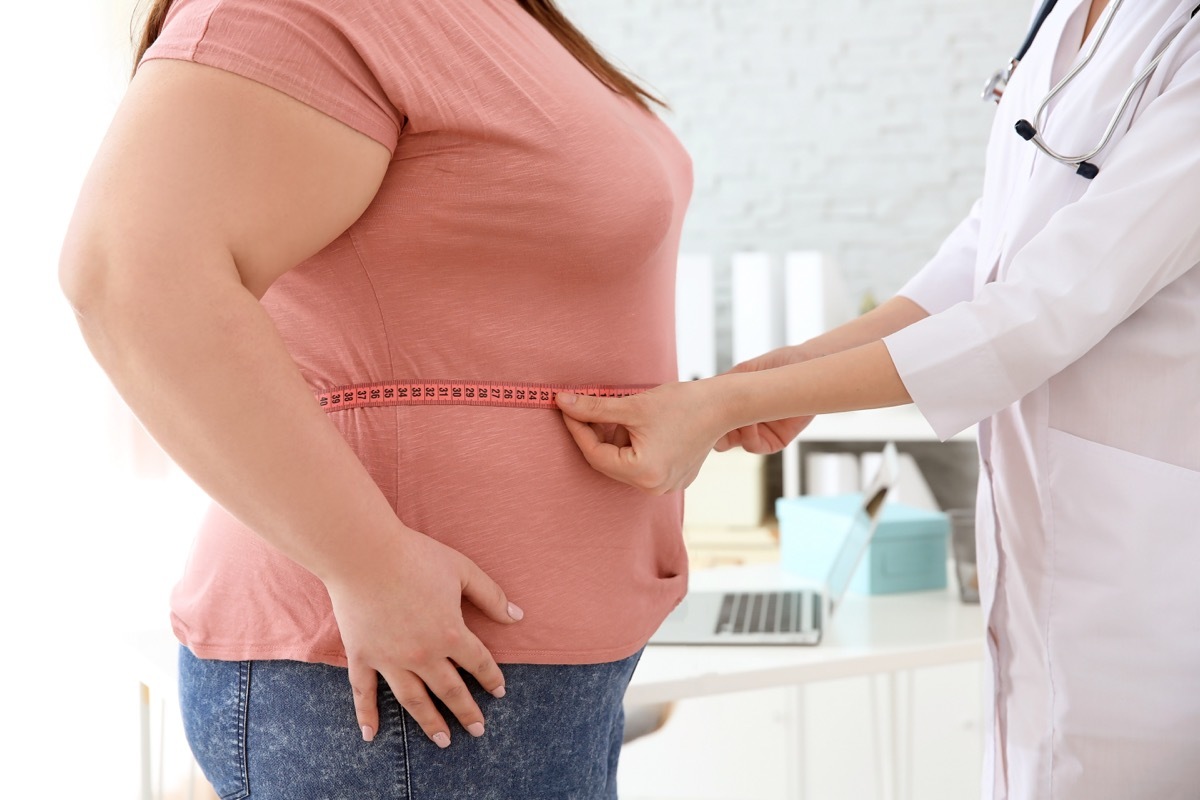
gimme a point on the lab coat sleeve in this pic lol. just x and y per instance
(1095, 263)
(949, 276)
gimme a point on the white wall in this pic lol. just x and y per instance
(849, 126)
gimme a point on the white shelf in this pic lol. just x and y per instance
(899, 424)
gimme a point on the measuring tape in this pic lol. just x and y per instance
(461, 393)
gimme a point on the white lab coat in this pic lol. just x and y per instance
(1066, 320)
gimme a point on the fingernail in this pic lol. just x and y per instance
(368, 733)
(514, 612)
(498, 692)
(442, 740)
(567, 398)
(475, 729)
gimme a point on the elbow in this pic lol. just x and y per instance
(104, 286)
(107, 297)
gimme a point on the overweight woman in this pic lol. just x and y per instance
(336, 256)
(1063, 316)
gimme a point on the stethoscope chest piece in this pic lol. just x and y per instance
(994, 88)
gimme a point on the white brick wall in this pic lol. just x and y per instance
(848, 126)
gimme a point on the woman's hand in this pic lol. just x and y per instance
(655, 441)
(773, 436)
(401, 617)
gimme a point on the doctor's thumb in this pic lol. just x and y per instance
(587, 408)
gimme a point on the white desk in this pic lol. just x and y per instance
(868, 635)
(883, 635)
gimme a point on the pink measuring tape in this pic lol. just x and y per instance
(461, 393)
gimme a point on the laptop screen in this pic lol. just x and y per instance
(863, 525)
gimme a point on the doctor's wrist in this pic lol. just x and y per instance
(733, 399)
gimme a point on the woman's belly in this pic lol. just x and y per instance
(595, 565)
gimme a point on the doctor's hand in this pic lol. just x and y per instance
(655, 441)
(768, 437)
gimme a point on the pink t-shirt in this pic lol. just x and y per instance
(527, 230)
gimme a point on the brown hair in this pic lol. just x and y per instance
(544, 11)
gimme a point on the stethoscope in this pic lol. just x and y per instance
(994, 90)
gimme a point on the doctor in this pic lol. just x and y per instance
(1063, 316)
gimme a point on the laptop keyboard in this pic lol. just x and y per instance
(768, 612)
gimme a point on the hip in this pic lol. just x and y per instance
(287, 729)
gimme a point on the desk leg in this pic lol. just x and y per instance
(910, 713)
(893, 768)
(877, 755)
(894, 719)
(144, 716)
(797, 749)
(162, 749)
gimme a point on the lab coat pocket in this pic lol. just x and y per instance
(1123, 624)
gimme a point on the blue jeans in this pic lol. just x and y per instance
(286, 730)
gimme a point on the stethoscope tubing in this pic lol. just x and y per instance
(1122, 107)
(1032, 132)
(1038, 21)
(1040, 116)
(993, 90)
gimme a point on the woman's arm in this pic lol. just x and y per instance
(207, 188)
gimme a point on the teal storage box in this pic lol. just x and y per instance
(907, 554)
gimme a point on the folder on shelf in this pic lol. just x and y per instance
(816, 299)
(695, 318)
(834, 473)
(757, 297)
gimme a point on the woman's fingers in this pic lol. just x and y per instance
(466, 649)
(364, 682)
(442, 678)
(414, 698)
(486, 594)
(476, 659)
(448, 686)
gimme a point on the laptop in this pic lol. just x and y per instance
(790, 616)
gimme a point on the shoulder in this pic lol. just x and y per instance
(321, 53)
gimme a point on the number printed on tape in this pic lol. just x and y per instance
(461, 393)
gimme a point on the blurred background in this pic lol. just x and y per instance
(852, 128)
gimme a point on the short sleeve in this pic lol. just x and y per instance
(303, 48)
